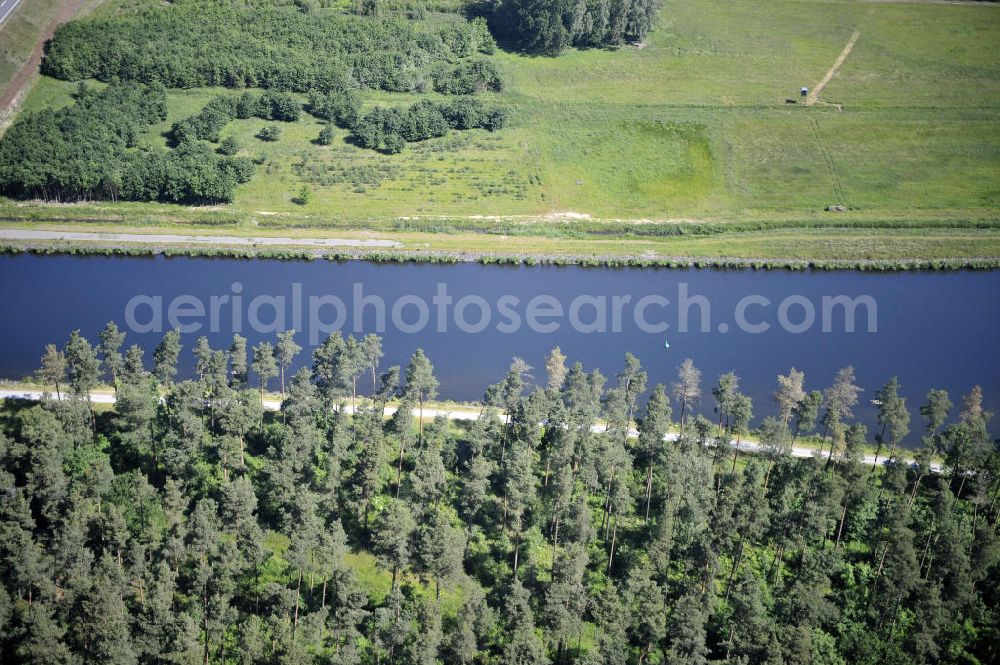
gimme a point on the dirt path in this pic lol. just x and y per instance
(12, 97)
(814, 93)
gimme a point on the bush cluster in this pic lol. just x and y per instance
(219, 112)
(390, 129)
(341, 107)
(468, 78)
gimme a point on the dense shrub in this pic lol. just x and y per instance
(88, 151)
(270, 105)
(325, 136)
(342, 106)
(229, 146)
(464, 40)
(269, 133)
(469, 113)
(468, 78)
(464, 113)
(423, 121)
(279, 106)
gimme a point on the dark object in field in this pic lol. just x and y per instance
(791, 101)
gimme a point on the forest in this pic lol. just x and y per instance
(89, 150)
(550, 26)
(576, 520)
(260, 46)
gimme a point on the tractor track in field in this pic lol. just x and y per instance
(835, 182)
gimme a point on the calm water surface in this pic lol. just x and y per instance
(934, 330)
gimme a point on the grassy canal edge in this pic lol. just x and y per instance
(772, 245)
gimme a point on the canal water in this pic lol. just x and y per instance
(932, 330)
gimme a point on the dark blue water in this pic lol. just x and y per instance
(934, 330)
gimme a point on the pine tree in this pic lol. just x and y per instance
(110, 348)
(371, 350)
(369, 451)
(789, 394)
(440, 548)
(421, 384)
(165, 357)
(840, 399)
(101, 624)
(285, 352)
(687, 390)
(265, 367)
(53, 368)
(519, 491)
(391, 537)
(328, 369)
(612, 617)
(43, 642)
(686, 632)
(202, 357)
(82, 363)
(893, 416)
(522, 645)
(428, 478)
(644, 598)
(238, 358)
(555, 368)
(566, 599)
(423, 649)
(473, 623)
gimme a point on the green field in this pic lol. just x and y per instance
(694, 125)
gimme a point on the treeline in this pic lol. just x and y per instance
(389, 129)
(222, 110)
(188, 525)
(189, 44)
(549, 26)
(89, 150)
